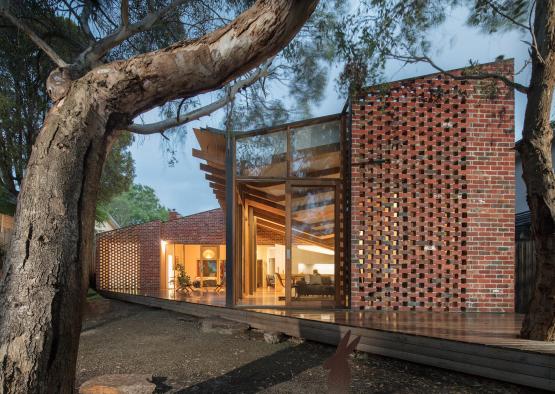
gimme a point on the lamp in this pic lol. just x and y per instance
(208, 254)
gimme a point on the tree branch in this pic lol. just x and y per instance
(197, 113)
(125, 13)
(496, 9)
(535, 49)
(478, 76)
(94, 53)
(84, 20)
(34, 37)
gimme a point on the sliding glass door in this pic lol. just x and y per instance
(311, 258)
(288, 183)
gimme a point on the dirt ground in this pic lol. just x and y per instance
(123, 338)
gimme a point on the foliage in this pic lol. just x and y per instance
(119, 170)
(299, 72)
(378, 31)
(182, 278)
(138, 205)
(24, 104)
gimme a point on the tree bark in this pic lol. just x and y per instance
(43, 286)
(537, 166)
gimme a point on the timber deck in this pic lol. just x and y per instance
(484, 344)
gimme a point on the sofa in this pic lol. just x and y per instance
(303, 289)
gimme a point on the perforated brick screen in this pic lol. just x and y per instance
(433, 194)
(129, 258)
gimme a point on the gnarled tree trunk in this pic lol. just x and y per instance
(537, 166)
(44, 282)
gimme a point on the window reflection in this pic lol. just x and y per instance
(262, 155)
(313, 243)
(315, 151)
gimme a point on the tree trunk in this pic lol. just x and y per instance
(43, 287)
(44, 283)
(537, 166)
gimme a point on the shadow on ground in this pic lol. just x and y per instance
(257, 375)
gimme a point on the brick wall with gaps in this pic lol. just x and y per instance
(129, 258)
(432, 177)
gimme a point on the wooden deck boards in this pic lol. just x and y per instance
(484, 344)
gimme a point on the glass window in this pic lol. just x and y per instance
(315, 150)
(313, 243)
(262, 155)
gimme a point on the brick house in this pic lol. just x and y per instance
(403, 201)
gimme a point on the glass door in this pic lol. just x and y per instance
(311, 258)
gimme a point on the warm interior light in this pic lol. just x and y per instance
(316, 249)
(208, 254)
(171, 275)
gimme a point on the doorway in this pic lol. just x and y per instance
(311, 259)
(288, 243)
(288, 196)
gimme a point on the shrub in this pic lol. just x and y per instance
(182, 278)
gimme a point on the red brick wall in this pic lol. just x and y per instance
(129, 258)
(491, 196)
(432, 195)
(201, 228)
(149, 239)
(266, 236)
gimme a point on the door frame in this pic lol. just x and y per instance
(335, 187)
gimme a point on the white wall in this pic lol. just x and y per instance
(304, 262)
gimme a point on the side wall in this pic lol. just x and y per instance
(132, 258)
(491, 195)
(129, 258)
(432, 173)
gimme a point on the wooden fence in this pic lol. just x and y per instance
(525, 274)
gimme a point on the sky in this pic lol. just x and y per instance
(182, 187)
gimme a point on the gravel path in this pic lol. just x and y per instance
(125, 338)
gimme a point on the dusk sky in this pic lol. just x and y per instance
(183, 186)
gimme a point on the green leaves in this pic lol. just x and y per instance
(382, 30)
(138, 205)
(119, 169)
(493, 16)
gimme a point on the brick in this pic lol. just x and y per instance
(431, 212)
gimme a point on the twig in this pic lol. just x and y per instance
(84, 20)
(195, 114)
(478, 76)
(179, 109)
(535, 48)
(506, 16)
(34, 37)
(125, 13)
(95, 52)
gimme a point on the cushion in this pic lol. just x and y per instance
(315, 280)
